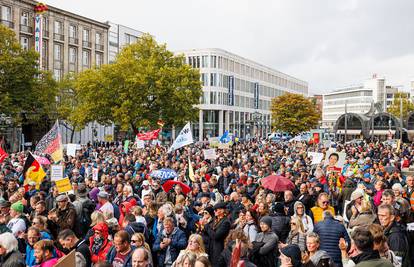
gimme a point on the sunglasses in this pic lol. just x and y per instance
(325, 202)
(134, 241)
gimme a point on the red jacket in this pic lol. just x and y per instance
(101, 256)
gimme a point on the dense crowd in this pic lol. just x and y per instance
(358, 215)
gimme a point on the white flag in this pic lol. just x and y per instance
(184, 138)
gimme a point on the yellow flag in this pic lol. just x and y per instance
(190, 170)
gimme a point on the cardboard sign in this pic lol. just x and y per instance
(56, 172)
(67, 260)
(209, 153)
(63, 185)
(336, 161)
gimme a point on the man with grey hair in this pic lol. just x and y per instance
(140, 258)
(330, 231)
(10, 255)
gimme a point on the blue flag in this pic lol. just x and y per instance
(225, 138)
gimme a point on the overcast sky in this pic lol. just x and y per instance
(328, 43)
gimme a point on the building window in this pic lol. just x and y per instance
(57, 73)
(6, 13)
(98, 59)
(57, 52)
(24, 19)
(24, 42)
(73, 55)
(86, 35)
(58, 27)
(73, 32)
(213, 79)
(45, 52)
(204, 61)
(213, 62)
(98, 38)
(86, 59)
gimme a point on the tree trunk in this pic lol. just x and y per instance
(72, 134)
(134, 128)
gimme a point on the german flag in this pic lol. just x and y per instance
(33, 171)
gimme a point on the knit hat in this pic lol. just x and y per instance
(293, 252)
(279, 208)
(357, 194)
(18, 207)
(267, 220)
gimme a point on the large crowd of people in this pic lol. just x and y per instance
(361, 214)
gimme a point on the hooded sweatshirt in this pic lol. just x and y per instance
(104, 247)
(306, 219)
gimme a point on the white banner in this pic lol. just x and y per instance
(140, 144)
(209, 153)
(56, 172)
(184, 138)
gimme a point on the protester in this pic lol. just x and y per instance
(126, 207)
(44, 253)
(10, 256)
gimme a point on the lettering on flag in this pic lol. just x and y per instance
(184, 138)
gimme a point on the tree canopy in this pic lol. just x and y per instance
(146, 83)
(27, 94)
(407, 105)
(293, 113)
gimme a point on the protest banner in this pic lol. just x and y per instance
(67, 260)
(316, 157)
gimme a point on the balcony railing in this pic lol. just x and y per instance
(87, 44)
(74, 41)
(99, 47)
(26, 29)
(7, 23)
(59, 37)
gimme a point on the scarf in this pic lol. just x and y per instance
(97, 244)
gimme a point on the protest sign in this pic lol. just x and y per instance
(67, 260)
(95, 172)
(56, 172)
(63, 185)
(316, 157)
(209, 153)
(71, 149)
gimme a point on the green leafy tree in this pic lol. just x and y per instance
(27, 94)
(407, 105)
(67, 104)
(293, 113)
(144, 84)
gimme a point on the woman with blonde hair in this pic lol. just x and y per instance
(188, 259)
(364, 217)
(296, 235)
(138, 241)
(195, 245)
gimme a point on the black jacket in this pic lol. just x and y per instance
(217, 233)
(281, 226)
(397, 240)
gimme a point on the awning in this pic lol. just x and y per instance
(349, 131)
(382, 132)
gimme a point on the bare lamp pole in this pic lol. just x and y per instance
(346, 121)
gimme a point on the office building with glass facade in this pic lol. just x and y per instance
(237, 93)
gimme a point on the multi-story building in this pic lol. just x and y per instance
(119, 36)
(237, 93)
(355, 99)
(70, 43)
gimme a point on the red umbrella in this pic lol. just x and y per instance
(168, 185)
(277, 183)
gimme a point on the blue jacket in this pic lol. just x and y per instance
(330, 231)
(30, 258)
(178, 242)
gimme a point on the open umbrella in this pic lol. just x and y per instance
(163, 174)
(168, 185)
(277, 183)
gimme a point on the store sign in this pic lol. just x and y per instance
(231, 90)
(38, 33)
(256, 95)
